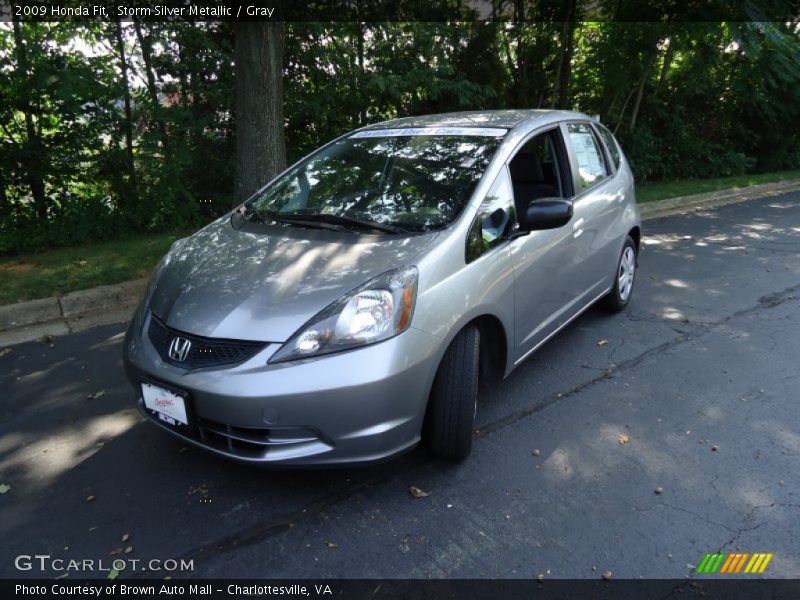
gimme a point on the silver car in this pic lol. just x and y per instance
(350, 307)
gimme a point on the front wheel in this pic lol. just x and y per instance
(453, 402)
(619, 296)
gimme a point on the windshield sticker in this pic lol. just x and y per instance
(414, 131)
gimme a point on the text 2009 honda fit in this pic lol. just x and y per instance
(351, 306)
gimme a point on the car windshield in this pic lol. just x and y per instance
(395, 179)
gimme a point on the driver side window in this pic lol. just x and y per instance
(537, 172)
(494, 220)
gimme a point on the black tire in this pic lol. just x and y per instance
(451, 409)
(616, 300)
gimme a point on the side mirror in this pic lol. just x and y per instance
(546, 213)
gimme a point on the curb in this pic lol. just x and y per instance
(687, 204)
(108, 304)
(76, 311)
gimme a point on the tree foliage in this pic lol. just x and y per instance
(113, 128)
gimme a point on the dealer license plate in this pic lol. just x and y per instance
(168, 406)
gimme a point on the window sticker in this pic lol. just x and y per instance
(586, 153)
(417, 131)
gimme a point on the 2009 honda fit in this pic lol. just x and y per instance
(351, 306)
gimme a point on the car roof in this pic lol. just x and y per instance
(508, 119)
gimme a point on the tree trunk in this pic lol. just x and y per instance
(567, 50)
(638, 102)
(197, 108)
(126, 96)
(5, 205)
(521, 96)
(152, 88)
(360, 75)
(34, 167)
(668, 54)
(260, 144)
(622, 110)
(512, 68)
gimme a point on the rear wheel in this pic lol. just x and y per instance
(619, 296)
(453, 402)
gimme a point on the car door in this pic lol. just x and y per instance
(597, 206)
(544, 296)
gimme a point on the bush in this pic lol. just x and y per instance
(683, 156)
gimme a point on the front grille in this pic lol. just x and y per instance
(203, 352)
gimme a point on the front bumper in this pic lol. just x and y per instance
(359, 406)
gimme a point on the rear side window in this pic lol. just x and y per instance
(611, 144)
(591, 161)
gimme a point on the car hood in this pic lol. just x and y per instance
(227, 283)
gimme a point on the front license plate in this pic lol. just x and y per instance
(168, 406)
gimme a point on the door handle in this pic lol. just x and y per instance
(577, 227)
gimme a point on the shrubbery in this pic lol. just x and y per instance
(89, 154)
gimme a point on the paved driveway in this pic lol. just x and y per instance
(699, 378)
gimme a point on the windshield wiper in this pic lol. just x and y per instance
(302, 221)
(336, 220)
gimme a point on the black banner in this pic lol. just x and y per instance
(708, 589)
(395, 10)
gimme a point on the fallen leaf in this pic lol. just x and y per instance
(331, 545)
(417, 493)
(607, 574)
(659, 490)
(536, 452)
(96, 395)
(4, 487)
(116, 551)
(125, 537)
(602, 342)
(112, 574)
(5, 351)
(129, 549)
(623, 439)
(89, 498)
(540, 577)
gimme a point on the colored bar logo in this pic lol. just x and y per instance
(734, 562)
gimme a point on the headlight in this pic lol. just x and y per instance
(376, 311)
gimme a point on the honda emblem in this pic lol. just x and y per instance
(179, 348)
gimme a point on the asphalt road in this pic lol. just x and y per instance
(700, 375)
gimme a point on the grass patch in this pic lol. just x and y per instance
(687, 187)
(30, 276)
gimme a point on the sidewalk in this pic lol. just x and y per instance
(76, 311)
